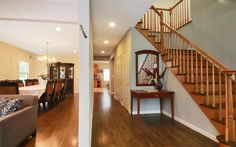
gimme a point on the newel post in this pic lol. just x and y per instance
(229, 108)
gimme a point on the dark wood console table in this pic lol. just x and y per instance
(142, 94)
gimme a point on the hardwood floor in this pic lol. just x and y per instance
(114, 127)
(59, 126)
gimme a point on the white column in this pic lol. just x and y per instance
(85, 76)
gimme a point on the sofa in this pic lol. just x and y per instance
(15, 128)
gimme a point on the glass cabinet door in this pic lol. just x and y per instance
(55, 72)
(62, 72)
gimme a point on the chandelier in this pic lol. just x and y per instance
(46, 58)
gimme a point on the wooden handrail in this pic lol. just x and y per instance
(202, 52)
(154, 9)
(175, 5)
(229, 72)
(163, 9)
(171, 8)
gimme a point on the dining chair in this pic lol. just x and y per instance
(47, 96)
(20, 83)
(35, 82)
(28, 82)
(7, 87)
(64, 89)
(57, 91)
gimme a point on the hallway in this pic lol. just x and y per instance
(113, 127)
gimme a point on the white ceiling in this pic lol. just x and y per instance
(35, 21)
(28, 24)
(125, 13)
(32, 36)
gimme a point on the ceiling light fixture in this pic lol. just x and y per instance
(75, 51)
(112, 24)
(40, 50)
(46, 58)
(58, 29)
(102, 52)
(106, 42)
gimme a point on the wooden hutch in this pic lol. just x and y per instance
(63, 71)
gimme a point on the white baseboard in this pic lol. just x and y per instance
(211, 136)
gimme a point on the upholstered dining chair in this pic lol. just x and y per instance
(7, 87)
(28, 82)
(57, 91)
(20, 83)
(47, 96)
(35, 82)
(64, 89)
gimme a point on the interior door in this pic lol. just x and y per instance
(125, 80)
(118, 78)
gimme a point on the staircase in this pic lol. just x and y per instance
(211, 85)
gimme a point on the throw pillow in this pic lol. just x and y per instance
(3, 102)
(12, 106)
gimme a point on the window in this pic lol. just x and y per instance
(106, 74)
(23, 70)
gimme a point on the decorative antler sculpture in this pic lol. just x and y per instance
(153, 74)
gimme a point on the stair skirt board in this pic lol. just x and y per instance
(211, 136)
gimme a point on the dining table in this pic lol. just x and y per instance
(37, 90)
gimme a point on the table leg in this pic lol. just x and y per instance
(161, 105)
(138, 106)
(131, 105)
(172, 106)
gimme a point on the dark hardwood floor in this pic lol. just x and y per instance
(59, 126)
(114, 127)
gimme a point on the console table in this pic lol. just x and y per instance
(142, 94)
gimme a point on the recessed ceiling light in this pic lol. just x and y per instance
(102, 52)
(112, 24)
(106, 42)
(75, 51)
(40, 50)
(58, 29)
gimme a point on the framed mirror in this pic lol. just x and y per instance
(147, 67)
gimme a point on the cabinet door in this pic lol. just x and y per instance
(118, 78)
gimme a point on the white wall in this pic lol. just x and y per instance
(164, 3)
(186, 110)
(213, 28)
(138, 42)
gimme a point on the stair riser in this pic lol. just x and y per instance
(201, 99)
(219, 126)
(204, 70)
(212, 113)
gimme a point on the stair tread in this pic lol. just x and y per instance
(203, 83)
(210, 93)
(219, 121)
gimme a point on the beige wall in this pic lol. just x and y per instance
(10, 56)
